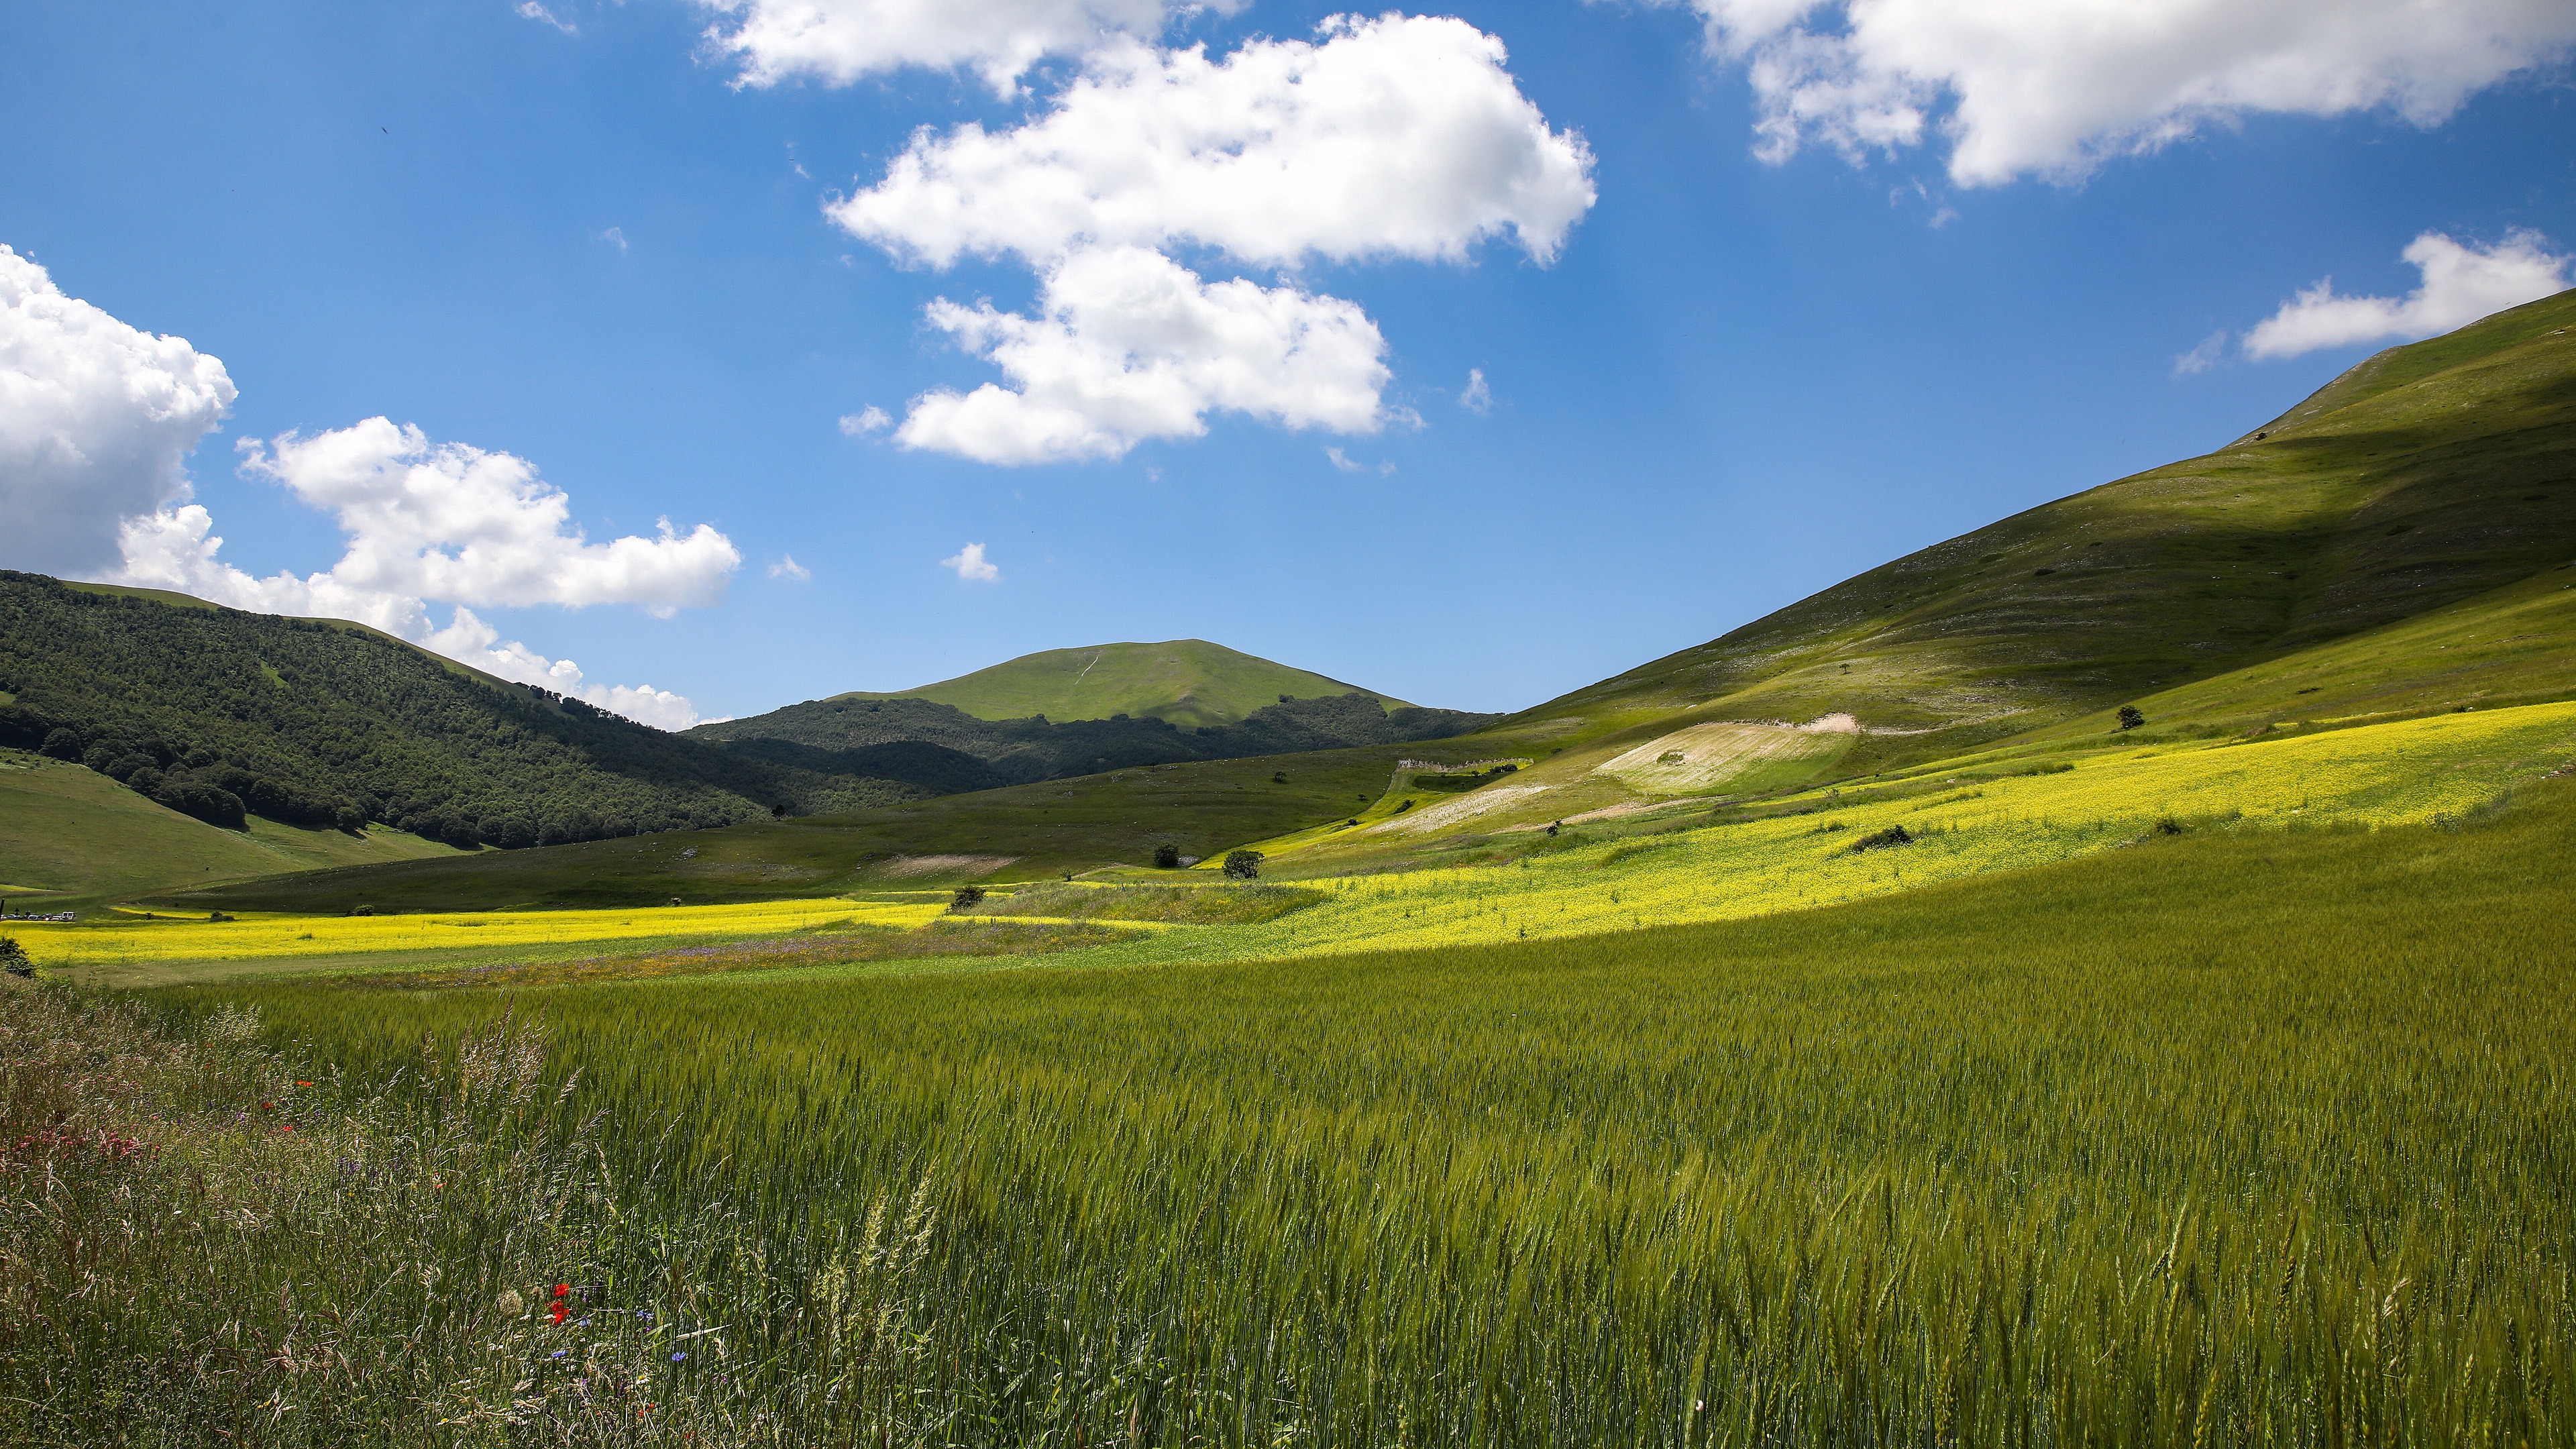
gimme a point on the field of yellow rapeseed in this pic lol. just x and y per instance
(2409, 772)
(129, 938)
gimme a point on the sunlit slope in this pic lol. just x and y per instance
(1189, 682)
(2425, 476)
(72, 839)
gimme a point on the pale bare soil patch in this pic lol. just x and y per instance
(1451, 812)
(1705, 756)
(910, 865)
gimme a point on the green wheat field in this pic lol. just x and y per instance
(2250, 1131)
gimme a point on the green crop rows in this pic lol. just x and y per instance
(2219, 1140)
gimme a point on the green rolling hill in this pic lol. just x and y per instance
(228, 715)
(1189, 682)
(73, 839)
(2402, 542)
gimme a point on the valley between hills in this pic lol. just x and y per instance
(2110, 966)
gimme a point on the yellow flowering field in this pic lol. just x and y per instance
(2409, 772)
(129, 938)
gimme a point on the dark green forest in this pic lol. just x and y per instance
(216, 712)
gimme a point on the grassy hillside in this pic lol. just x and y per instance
(2034, 1158)
(2425, 476)
(318, 722)
(1189, 682)
(74, 839)
(2395, 543)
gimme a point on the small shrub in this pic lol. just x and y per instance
(1279, 777)
(2130, 717)
(1167, 857)
(13, 958)
(1243, 864)
(968, 897)
(2169, 826)
(1882, 839)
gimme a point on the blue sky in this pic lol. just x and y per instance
(1736, 381)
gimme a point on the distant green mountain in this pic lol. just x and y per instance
(225, 715)
(1189, 682)
(944, 749)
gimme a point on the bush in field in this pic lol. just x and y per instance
(13, 958)
(1167, 857)
(1242, 864)
(968, 897)
(2131, 717)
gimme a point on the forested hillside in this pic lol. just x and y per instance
(945, 748)
(216, 712)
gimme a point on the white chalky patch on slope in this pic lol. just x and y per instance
(1450, 812)
(1703, 756)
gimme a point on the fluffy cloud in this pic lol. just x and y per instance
(1400, 136)
(838, 41)
(864, 422)
(1130, 345)
(448, 521)
(1394, 137)
(2461, 285)
(95, 418)
(972, 567)
(2051, 87)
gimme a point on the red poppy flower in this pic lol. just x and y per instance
(563, 1290)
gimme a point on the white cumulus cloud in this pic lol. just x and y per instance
(1393, 137)
(1129, 345)
(2461, 285)
(450, 521)
(972, 567)
(838, 41)
(1399, 136)
(95, 420)
(2052, 87)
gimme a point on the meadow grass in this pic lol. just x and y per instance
(2255, 1138)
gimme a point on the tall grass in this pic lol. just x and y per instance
(2212, 1141)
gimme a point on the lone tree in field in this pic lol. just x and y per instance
(2130, 718)
(13, 958)
(1167, 857)
(1243, 864)
(968, 896)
